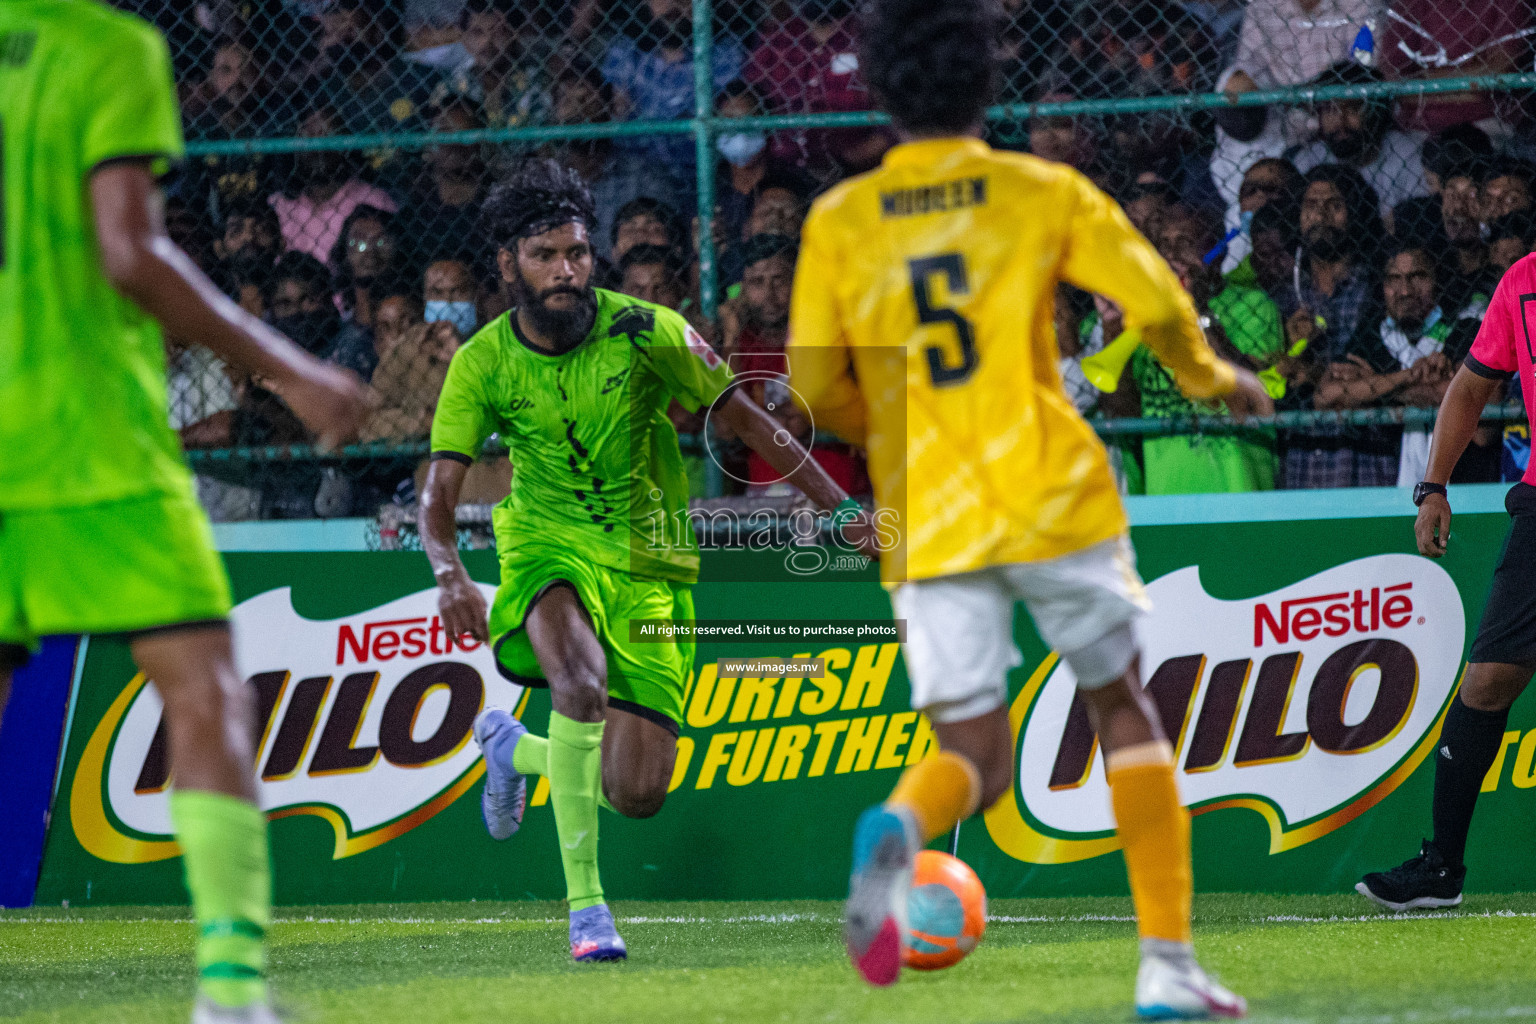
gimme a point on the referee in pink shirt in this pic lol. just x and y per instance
(1503, 655)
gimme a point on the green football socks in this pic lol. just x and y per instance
(224, 847)
(575, 767)
(531, 755)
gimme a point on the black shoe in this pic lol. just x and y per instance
(1423, 882)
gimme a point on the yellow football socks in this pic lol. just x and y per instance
(939, 791)
(1154, 831)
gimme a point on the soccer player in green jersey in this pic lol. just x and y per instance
(577, 381)
(99, 529)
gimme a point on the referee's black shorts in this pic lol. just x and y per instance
(1507, 632)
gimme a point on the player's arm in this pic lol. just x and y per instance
(790, 459)
(1106, 255)
(143, 264)
(1489, 364)
(459, 599)
(820, 369)
(460, 424)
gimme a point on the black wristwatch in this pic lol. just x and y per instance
(1424, 489)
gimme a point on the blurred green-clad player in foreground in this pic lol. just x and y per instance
(99, 529)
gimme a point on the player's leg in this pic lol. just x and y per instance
(223, 834)
(646, 684)
(573, 660)
(639, 753)
(1085, 606)
(1500, 664)
(959, 648)
(1470, 740)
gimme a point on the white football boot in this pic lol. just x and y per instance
(206, 1011)
(1171, 986)
(875, 916)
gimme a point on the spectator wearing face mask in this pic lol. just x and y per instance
(450, 293)
(300, 304)
(747, 165)
(413, 362)
(1359, 134)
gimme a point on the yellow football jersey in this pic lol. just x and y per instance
(922, 328)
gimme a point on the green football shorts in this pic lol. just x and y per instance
(646, 679)
(118, 567)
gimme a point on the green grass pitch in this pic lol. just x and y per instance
(1298, 959)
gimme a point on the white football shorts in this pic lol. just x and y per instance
(959, 645)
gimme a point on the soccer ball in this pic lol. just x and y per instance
(946, 912)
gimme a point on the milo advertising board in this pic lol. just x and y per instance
(1301, 668)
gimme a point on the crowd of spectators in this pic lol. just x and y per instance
(1344, 248)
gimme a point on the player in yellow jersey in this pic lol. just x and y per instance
(921, 327)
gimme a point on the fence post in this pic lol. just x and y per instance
(704, 149)
(704, 158)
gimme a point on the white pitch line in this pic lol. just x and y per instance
(806, 919)
(1430, 915)
(1415, 1016)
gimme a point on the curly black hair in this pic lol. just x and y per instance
(932, 66)
(542, 195)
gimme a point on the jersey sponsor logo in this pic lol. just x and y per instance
(632, 322)
(699, 347)
(944, 197)
(364, 723)
(616, 380)
(1307, 706)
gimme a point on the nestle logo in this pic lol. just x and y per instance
(405, 638)
(1334, 614)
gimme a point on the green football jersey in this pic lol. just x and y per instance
(596, 466)
(82, 370)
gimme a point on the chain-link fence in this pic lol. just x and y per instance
(1339, 183)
